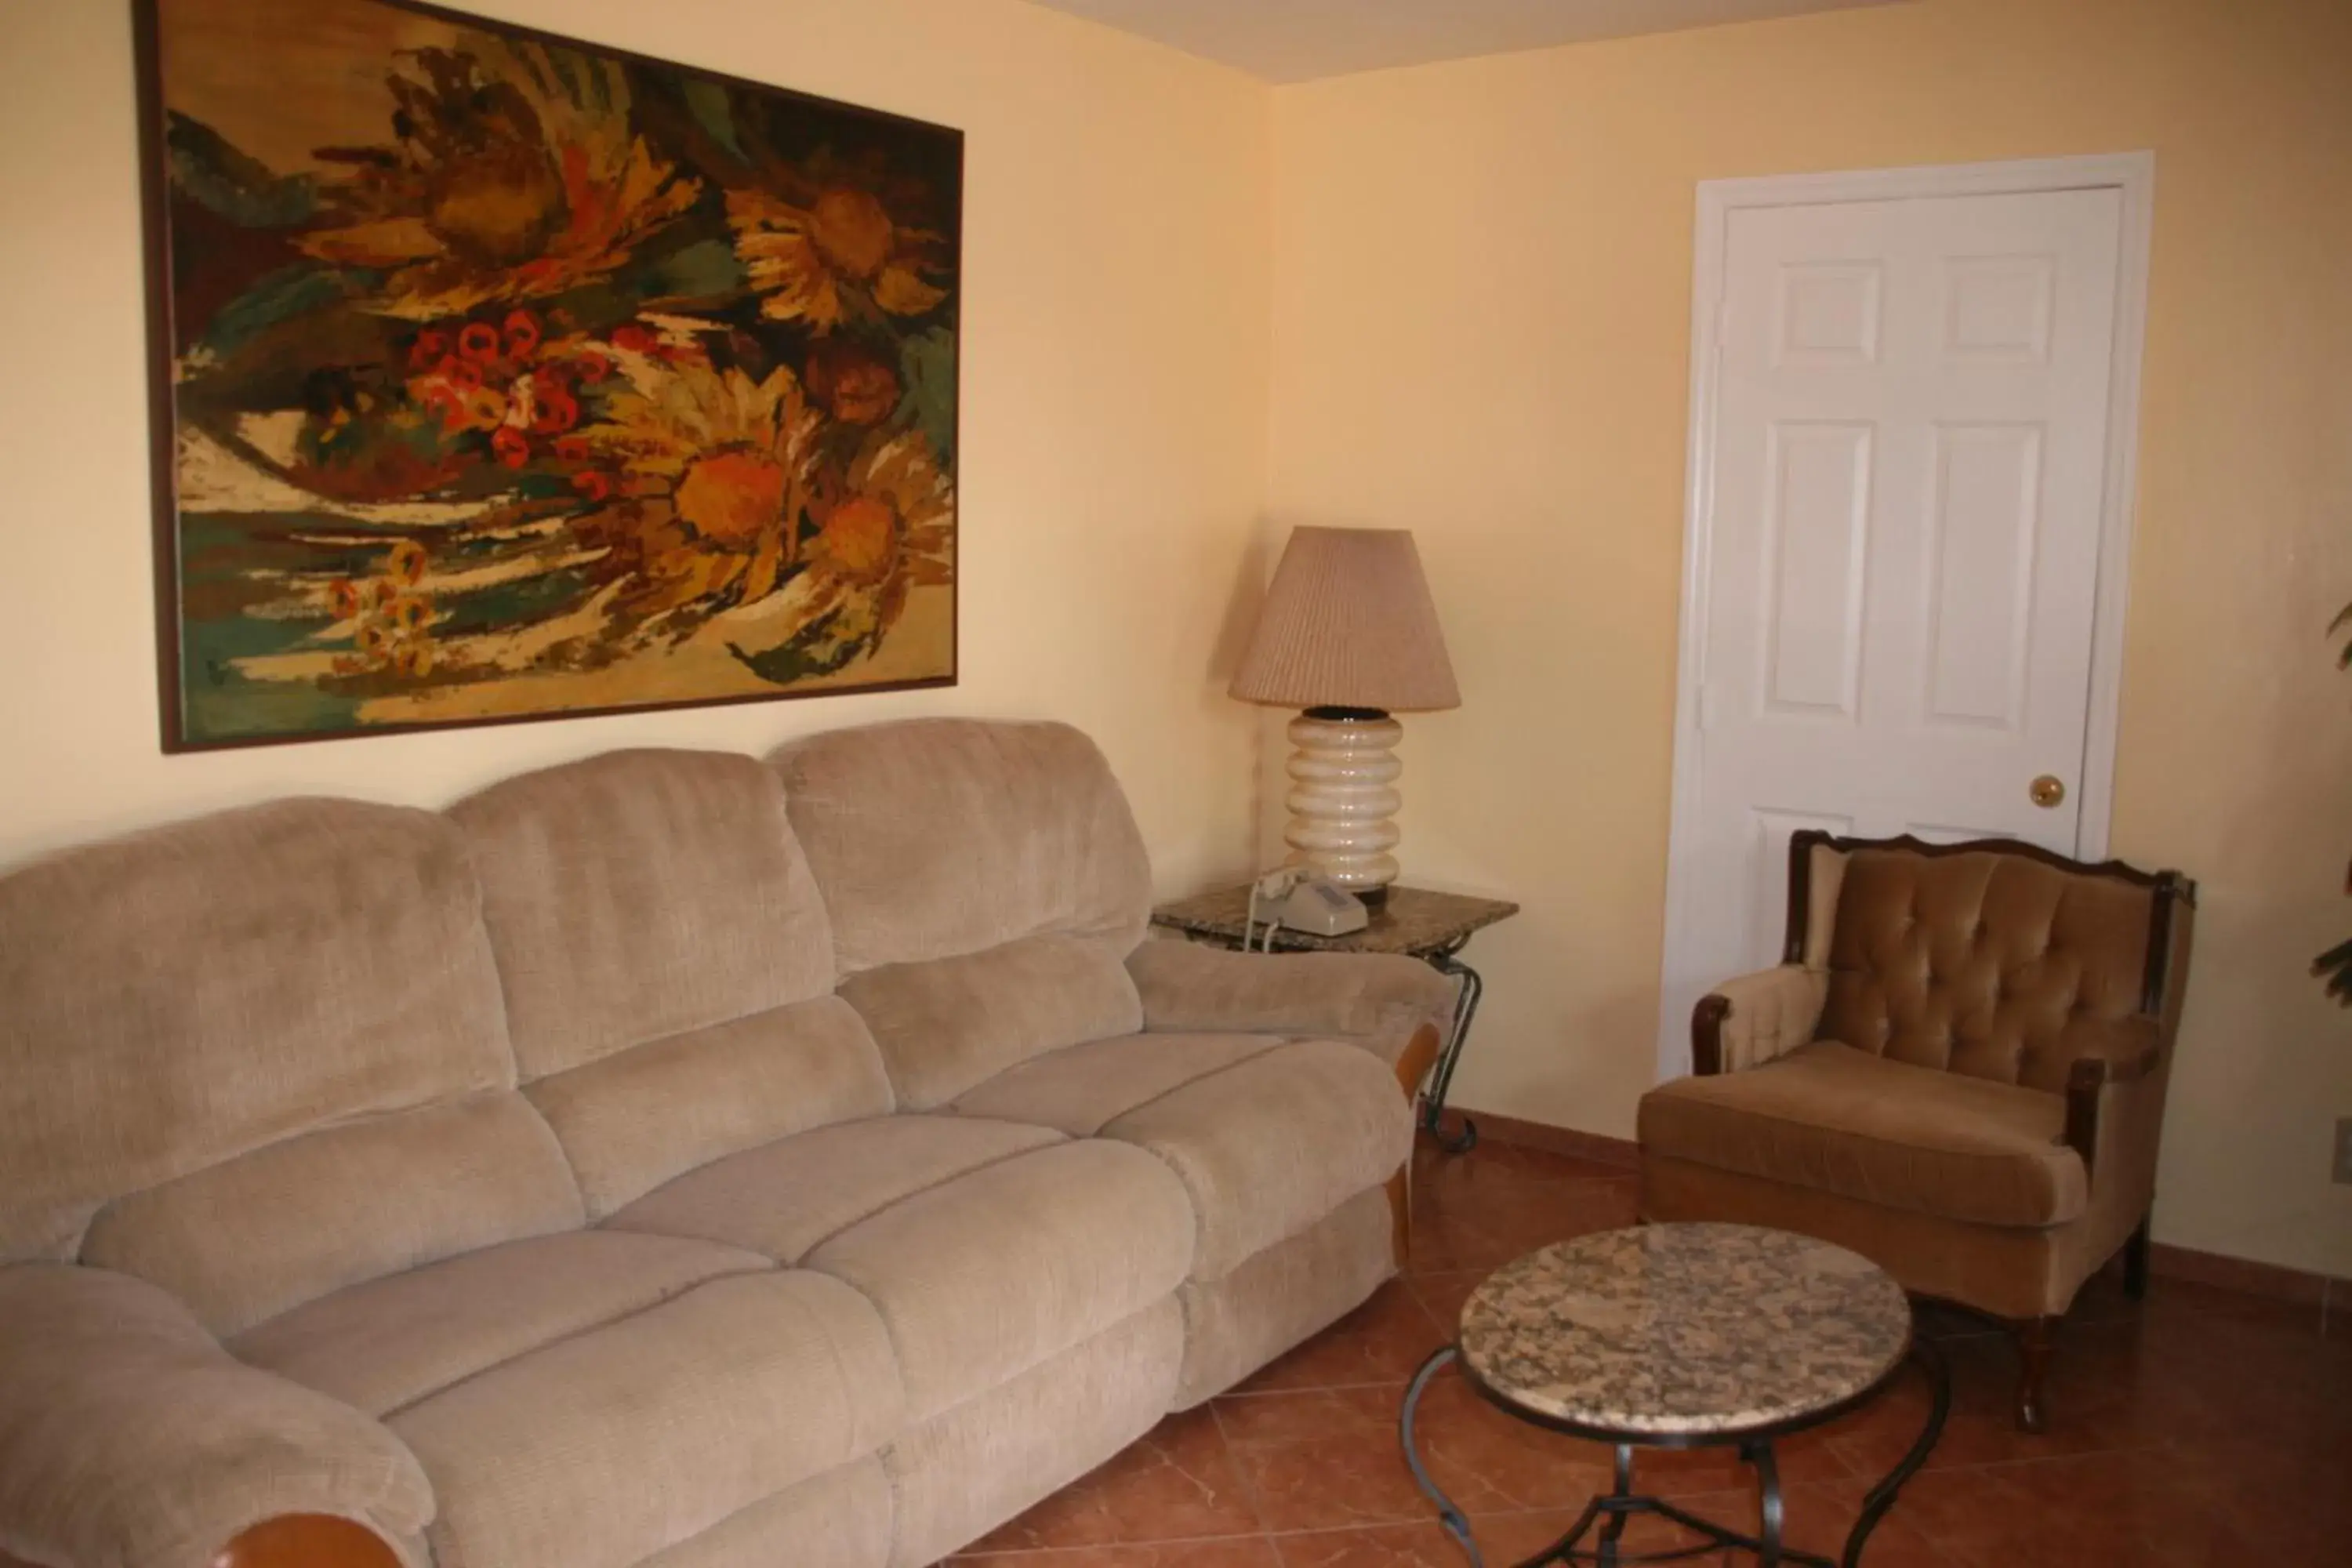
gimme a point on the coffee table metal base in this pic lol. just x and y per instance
(1609, 1515)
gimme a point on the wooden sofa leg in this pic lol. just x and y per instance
(1401, 1214)
(1412, 1064)
(2032, 1335)
(294, 1540)
(2136, 1262)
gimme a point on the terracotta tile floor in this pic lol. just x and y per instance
(2197, 1427)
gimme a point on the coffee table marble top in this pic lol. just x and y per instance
(1676, 1330)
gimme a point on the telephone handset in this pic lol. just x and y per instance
(1294, 896)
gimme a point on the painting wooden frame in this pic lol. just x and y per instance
(499, 376)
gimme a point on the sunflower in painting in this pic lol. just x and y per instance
(884, 528)
(830, 252)
(708, 474)
(514, 174)
(724, 493)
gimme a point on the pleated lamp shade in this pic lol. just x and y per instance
(1348, 623)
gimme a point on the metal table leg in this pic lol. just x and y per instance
(1931, 1362)
(1456, 1523)
(1770, 1511)
(1623, 1492)
(1446, 961)
(1612, 1511)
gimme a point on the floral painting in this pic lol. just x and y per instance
(504, 376)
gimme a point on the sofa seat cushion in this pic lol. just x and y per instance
(944, 1024)
(1841, 1121)
(1267, 1144)
(606, 1447)
(988, 1274)
(1081, 1088)
(838, 1520)
(631, 1121)
(258, 1236)
(784, 1198)
(392, 1341)
(181, 997)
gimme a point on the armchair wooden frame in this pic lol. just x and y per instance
(2169, 893)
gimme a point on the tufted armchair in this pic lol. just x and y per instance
(1958, 1071)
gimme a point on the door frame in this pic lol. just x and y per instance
(2133, 175)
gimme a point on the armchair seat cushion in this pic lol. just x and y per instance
(1837, 1120)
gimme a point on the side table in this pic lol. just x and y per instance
(1430, 926)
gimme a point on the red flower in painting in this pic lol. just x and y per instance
(461, 373)
(432, 345)
(557, 411)
(592, 367)
(512, 450)
(592, 484)
(445, 400)
(633, 339)
(522, 333)
(479, 342)
(852, 381)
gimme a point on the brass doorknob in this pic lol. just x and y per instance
(2046, 791)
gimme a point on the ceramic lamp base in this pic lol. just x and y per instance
(1343, 797)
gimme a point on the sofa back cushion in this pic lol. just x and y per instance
(668, 966)
(1995, 966)
(986, 882)
(259, 1056)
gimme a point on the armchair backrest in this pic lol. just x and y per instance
(1991, 958)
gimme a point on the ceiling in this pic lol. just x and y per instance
(1298, 40)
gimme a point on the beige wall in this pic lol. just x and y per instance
(1479, 283)
(1114, 413)
(1482, 287)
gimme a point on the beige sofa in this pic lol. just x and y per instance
(665, 1159)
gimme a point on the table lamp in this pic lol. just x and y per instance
(1347, 633)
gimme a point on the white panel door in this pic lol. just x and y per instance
(1910, 449)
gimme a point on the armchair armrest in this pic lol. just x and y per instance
(128, 1438)
(2110, 1093)
(1366, 996)
(1747, 1022)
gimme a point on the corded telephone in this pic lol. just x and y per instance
(1295, 897)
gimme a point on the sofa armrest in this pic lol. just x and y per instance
(128, 1438)
(1747, 1022)
(2112, 1089)
(1364, 996)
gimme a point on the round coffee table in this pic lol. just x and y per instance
(1682, 1336)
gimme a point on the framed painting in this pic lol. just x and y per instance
(502, 377)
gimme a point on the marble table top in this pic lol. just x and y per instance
(1674, 1330)
(1412, 920)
